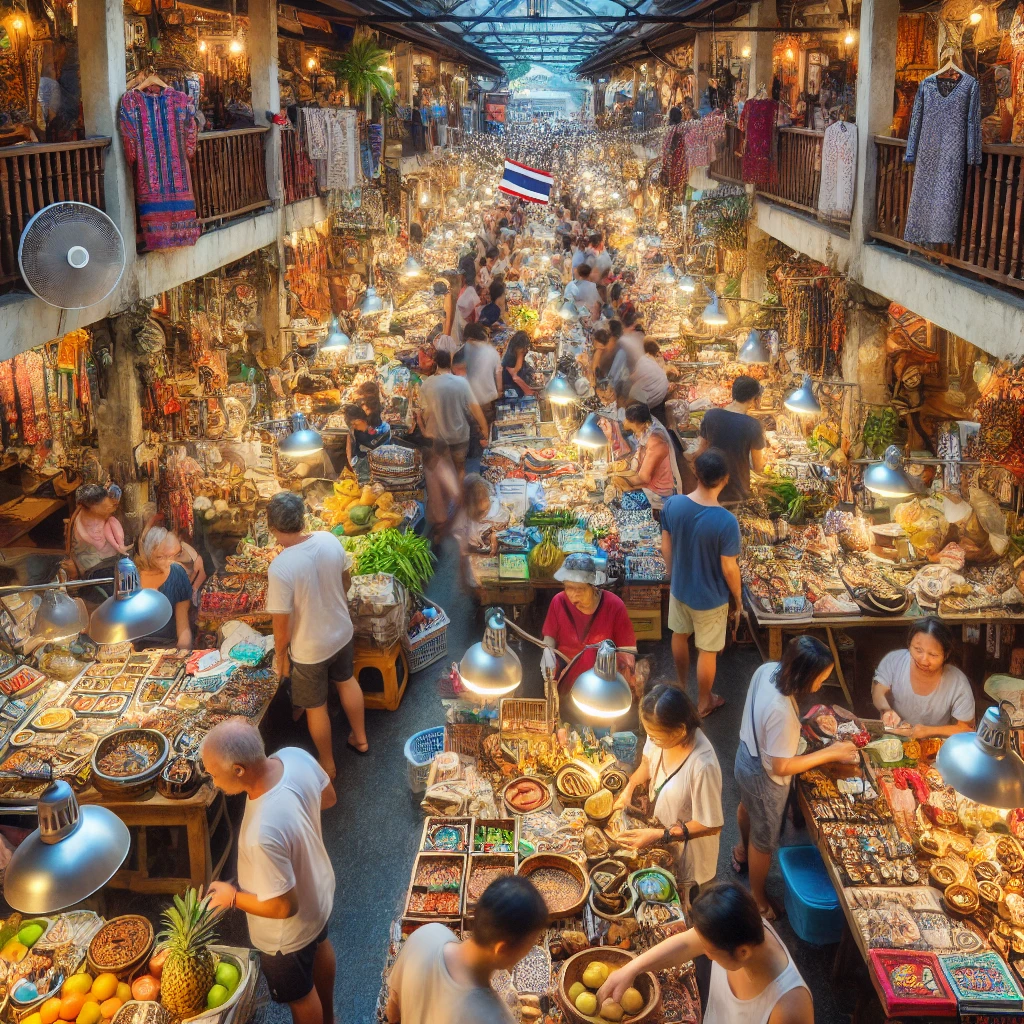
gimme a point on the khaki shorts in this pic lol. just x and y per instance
(708, 627)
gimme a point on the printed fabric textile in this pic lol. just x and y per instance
(159, 134)
(758, 124)
(945, 136)
(700, 138)
(838, 170)
(673, 156)
(340, 168)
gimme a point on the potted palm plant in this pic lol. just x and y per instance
(364, 69)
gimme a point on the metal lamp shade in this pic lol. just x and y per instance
(559, 391)
(371, 302)
(687, 284)
(887, 478)
(75, 851)
(337, 340)
(982, 765)
(489, 668)
(754, 350)
(601, 691)
(568, 311)
(667, 274)
(132, 612)
(590, 434)
(412, 267)
(303, 440)
(802, 400)
(60, 617)
(713, 315)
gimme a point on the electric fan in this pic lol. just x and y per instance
(71, 255)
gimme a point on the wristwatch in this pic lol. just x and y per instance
(676, 833)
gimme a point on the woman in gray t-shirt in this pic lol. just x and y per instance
(918, 692)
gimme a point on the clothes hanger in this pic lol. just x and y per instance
(948, 67)
(151, 80)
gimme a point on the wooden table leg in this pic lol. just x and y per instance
(839, 666)
(774, 643)
(198, 831)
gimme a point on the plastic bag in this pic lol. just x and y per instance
(924, 525)
(991, 518)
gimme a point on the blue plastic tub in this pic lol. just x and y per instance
(812, 905)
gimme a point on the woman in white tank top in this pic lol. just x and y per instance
(753, 977)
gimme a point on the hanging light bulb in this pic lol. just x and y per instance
(19, 23)
(789, 53)
(311, 63)
(848, 38)
(745, 52)
(371, 302)
(713, 315)
(235, 46)
(754, 350)
(975, 18)
(802, 400)
(202, 46)
(489, 668)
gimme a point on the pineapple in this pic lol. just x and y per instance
(189, 970)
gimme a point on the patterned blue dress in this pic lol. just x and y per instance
(945, 136)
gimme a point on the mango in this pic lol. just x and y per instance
(217, 996)
(632, 1001)
(577, 988)
(89, 1014)
(227, 975)
(104, 986)
(611, 1010)
(14, 952)
(124, 991)
(30, 934)
(77, 984)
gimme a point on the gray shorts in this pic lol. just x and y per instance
(310, 682)
(764, 799)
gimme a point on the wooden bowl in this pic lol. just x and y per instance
(543, 805)
(128, 966)
(561, 863)
(572, 971)
(573, 799)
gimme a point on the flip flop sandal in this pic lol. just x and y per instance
(720, 703)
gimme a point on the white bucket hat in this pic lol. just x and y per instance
(580, 568)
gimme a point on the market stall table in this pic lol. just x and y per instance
(22, 515)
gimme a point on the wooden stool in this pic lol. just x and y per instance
(382, 675)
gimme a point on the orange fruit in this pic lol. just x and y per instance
(105, 986)
(50, 1010)
(91, 997)
(110, 1006)
(71, 1006)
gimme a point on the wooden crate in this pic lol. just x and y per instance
(646, 622)
(509, 824)
(432, 820)
(504, 860)
(525, 718)
(422, 859)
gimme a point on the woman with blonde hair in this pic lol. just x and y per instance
(159, 570)
(188, 558)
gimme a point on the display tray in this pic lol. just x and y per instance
(485, 868)
(446, 835)
(436, 886)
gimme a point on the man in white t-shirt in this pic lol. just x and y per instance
(439, 980)
(285, 877)
(598, 258)
(583, 291)
(307, 598)
(483, 368)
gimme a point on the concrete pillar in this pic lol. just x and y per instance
(876, 84)
(701, 63)
(752, 283)
(762, 15)
(266, 95)
(102, 69)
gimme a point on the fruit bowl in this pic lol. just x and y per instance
(126, 762)
(572, 971)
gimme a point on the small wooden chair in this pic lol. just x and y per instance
(382, 675)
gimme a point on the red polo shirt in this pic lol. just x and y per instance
(573, 631)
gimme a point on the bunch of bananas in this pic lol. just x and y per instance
(546, 558)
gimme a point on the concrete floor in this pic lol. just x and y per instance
(374, 830)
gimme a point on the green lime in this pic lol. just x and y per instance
(227, 975)
(217, 996)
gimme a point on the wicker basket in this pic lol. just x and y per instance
(572, 971)
(429, 646)
(465, 738)
(562, 863)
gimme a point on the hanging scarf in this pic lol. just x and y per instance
(758, 123)
(23, 386)
(37, 382)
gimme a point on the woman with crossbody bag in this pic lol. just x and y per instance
(767, 759)
(684, 781)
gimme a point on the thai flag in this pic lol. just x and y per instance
(526, 182)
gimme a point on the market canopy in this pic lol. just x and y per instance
(559, 34)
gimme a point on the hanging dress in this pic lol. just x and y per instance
(838, 171)
(945, 136)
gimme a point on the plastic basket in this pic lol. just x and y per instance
(812, 905)
(430, 646)
(420, 749)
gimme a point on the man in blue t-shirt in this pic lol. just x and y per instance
(700, 541)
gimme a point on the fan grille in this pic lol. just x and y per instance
(43, 255)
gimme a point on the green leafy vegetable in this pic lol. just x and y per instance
(405, 556)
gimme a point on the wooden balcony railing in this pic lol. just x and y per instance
(36, 175)
(990, 241)
(299, 172)
(798, 169)
(229, 175)
(728, 163)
